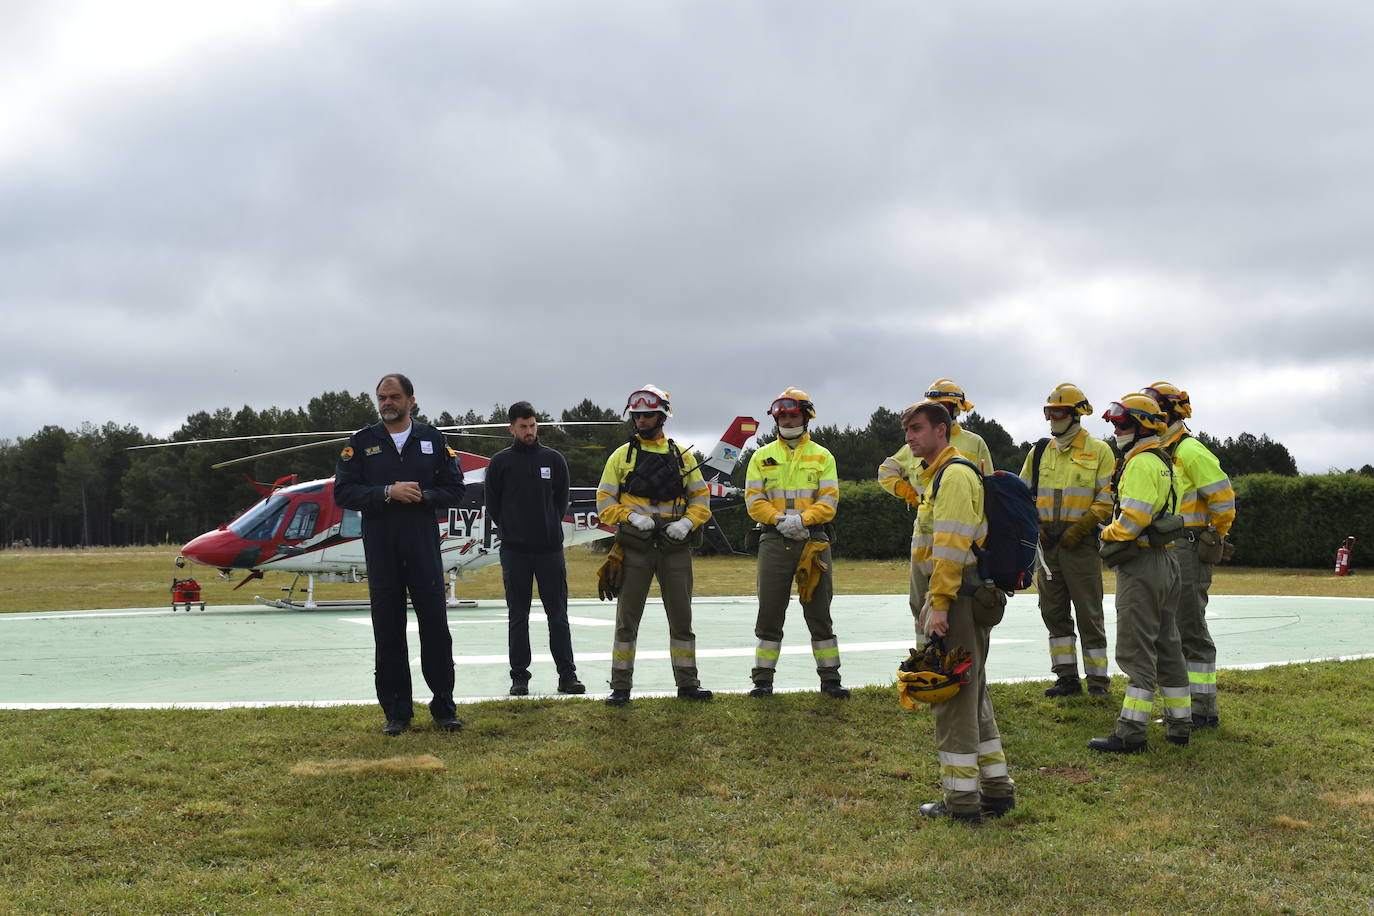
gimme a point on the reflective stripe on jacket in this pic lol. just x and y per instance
(948, 527)
(614, 506)
(1074, 481)
(1143, 490)
(792, 481)
(1208, 497)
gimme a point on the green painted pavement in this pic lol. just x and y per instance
(236, 656)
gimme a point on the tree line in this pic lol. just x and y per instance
(66, 488)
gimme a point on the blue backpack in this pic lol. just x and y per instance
(1007, 557)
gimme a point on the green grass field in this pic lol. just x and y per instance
(797, 802)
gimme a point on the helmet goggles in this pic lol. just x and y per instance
(645, 402)
(1121, 416)
(785, 407)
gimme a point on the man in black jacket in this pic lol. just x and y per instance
(399, 473)
(527, 498)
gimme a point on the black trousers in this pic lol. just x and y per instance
(519, 572)
(401, 560)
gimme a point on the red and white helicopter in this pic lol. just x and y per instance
(298, 528)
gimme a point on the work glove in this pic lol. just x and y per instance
(642, 522)
(793, 528)
(679, 529)
(610, 576)
(810, 568)
(1079, 530)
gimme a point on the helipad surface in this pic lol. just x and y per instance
(251, 655)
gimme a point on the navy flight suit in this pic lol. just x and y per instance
(401, 542)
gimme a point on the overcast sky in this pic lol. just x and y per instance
(250, 202)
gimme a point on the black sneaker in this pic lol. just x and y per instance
(394, 727)
(762, 689)
(835, 689)
(694, 693)
(937, 810)
(571, 685)
(996, 805)
(1066, 686)
(1114, 745)
(620, 696)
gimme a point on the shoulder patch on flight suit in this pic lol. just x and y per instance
(346, 454)
(451, 452)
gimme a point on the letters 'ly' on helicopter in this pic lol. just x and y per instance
(298, 528)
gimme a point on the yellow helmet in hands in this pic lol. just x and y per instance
(932, 674)
(1170, 397)
(947, 392)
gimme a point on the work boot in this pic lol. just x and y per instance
(394, 727)
(1206, 721)
(449, 724)
(519, 688)
(1180, 740)
(1114, 745)
(571, 684)
(620, 696)
(1098, 690)
(1067, 686)
(937, 810)
(694, 693)
(834, 689)
(762, 689)
(996, 805)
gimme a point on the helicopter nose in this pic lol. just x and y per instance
(222, 549)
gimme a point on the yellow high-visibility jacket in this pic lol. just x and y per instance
(1146, 487)
(615, 506)
(792, 481)
(1075, 481)
(900, 474)
(1208, 497)
(948, 527)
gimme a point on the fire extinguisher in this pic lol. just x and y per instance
(1343, 557)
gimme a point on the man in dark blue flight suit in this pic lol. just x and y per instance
(398, 473)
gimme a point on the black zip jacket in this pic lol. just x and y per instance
(370, 463)
(527, 497)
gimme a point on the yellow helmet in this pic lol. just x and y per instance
(1138, 407)
(932, 675)
(648, 399)
(948, 392)
(1070, 396)
(793, 399)
(1170, 397)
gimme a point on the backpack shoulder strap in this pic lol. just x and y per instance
(1036, 454)
(935, 484)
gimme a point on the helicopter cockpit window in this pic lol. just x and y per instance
(260, 522)
(303, 522)
(352, 524)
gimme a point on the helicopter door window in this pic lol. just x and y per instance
(352, 524)
(303, 522)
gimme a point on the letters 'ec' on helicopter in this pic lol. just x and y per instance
(298, 528)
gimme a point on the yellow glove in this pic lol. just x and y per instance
(610, 576)
(810, 567)
(1079, 530)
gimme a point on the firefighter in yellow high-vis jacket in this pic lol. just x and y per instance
(1137, 545)
(1070, 476)
(654, 493)
(901, 474)
(1208, 507)
(956, 606)
(792, 491)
